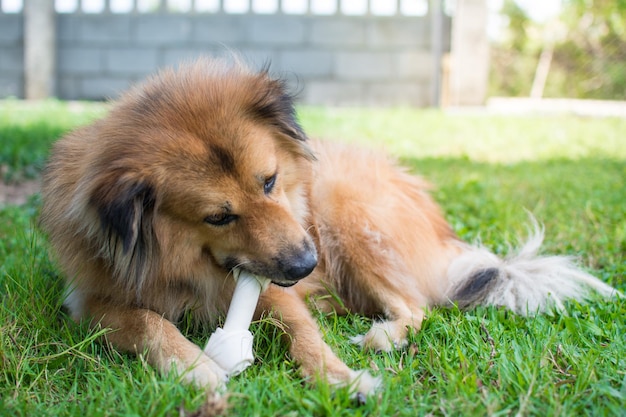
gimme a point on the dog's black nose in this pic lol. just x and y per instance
(301, 265)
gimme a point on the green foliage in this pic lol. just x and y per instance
(511, 72)
(27, 130)
(589, 58)
(518, 24)
(590, 61)
(569, 172)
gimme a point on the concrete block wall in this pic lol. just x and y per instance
(331, 60)
(11, 55)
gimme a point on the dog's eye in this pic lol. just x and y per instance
(269, 184)
(220, 219)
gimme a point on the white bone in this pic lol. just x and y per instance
(231, 346)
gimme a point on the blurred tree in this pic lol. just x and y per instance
(518, 23)
(589, 59)
(610, 12)
(513, 59)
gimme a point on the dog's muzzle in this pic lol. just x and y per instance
(296, 265)
(302, 266)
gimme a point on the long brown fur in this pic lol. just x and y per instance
(205, 169)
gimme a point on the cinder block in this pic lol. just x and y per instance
(68, 87)
(163, 29)
(336, 60)
(307, 63)
(79, 60)
(104, 29)
(333, 93)
(276, 30)
(175, 56)
(102, 88)
(11, 60)
(335, 31)
(364, 66)
(67, 28)
(257, 58)
(133, 61)
(397, 94)
(398, 31)
(11, 86)
(227, 29)
(10, 29)
(414, 65)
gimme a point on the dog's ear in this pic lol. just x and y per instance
(275, 105)
(127, 239)
(124, 207)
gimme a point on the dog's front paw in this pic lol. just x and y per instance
(363, 384)
(384, 336)
(203, 372)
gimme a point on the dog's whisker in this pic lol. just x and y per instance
(239, 265)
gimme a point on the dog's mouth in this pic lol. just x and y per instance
(280, 272)
(285, 284)
(276, 281)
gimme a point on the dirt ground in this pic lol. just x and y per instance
(17, 193)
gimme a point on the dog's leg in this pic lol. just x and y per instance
(384, 242)
(371, 295)
(391, 332)
(143, 331)
(372, 276)
(307, 347)
(376, 275)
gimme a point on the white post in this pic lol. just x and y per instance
(469, 57)
(39, 48)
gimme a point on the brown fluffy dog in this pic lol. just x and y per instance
(205, 169)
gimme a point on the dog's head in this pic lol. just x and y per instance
(206, 164)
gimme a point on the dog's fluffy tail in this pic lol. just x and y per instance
(524, 282)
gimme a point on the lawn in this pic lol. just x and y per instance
(487, 170)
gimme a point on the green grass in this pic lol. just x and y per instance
(568, 171)
(28, 129)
